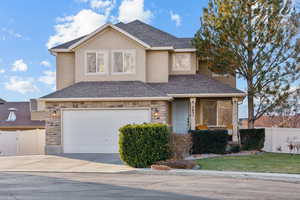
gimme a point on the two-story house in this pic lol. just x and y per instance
(132, 73)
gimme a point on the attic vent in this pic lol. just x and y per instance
(11, 116)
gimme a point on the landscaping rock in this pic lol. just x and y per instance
(178, 164)
(160, 167)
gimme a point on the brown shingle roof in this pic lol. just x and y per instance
(194, 84)
(178, 84)
(22, 114)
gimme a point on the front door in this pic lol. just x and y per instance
(180, 115)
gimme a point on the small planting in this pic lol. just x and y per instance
(180, 145)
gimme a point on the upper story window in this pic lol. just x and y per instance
(123, 61)
(96, 62)
(182, 62)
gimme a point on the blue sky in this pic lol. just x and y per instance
(28, 28)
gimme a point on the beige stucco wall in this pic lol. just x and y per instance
(38, 115)
(229, 79)
(193, 64)
(109, 40)
(53, 123)
(157, 66)
(65, 66)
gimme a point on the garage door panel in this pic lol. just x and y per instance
(96, 131)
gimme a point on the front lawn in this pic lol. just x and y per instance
(266, 162)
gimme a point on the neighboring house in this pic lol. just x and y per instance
(288, 116)
(273, 121)
(17, 116)
(132, 73)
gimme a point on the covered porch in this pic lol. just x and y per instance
(205, 113)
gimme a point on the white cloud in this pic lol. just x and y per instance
(88, 20)
(71, 27)
(48, 78)
(130, 10)
(176, 18)
(2, 71)
(45, 63)
(19, 65)
(21, 85)
(11, 32)
(98, 4)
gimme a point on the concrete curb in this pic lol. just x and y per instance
(252, 175)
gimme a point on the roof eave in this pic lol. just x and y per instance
(185, 50)
(209, 95)
(167, 98)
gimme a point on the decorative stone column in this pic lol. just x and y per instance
(193, 113)
(235, 137)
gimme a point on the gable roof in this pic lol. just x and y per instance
(148, 36)
(23, 116)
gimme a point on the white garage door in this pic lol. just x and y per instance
(96, 131)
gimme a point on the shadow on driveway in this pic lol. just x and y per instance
(45, 187)
(105, 158)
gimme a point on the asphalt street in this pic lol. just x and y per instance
(113, 186)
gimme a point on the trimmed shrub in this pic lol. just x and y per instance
(234, 148)
(180, 145)
(252, 139)
(209, 141)
(142, 145)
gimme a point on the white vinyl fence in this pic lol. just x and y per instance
(18, 143)
(280, 140)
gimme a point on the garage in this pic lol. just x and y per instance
(96, 130)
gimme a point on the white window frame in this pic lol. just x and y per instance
(105, 62)
(133, 51)
(182, 70)
(219, 75)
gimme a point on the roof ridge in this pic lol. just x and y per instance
(148, 25)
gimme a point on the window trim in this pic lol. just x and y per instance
(217, 113)
(219, 75)
(133, 51)
(106, 67)
(182, 70)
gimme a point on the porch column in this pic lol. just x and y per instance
(193, 113)
(235, 120)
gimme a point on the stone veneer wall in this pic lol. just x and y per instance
(53, 122)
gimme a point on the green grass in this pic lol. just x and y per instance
(266, 162)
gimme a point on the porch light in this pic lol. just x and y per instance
(54, 113)
(156, 114)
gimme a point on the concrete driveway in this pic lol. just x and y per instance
(116, 186)
(106, 163)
